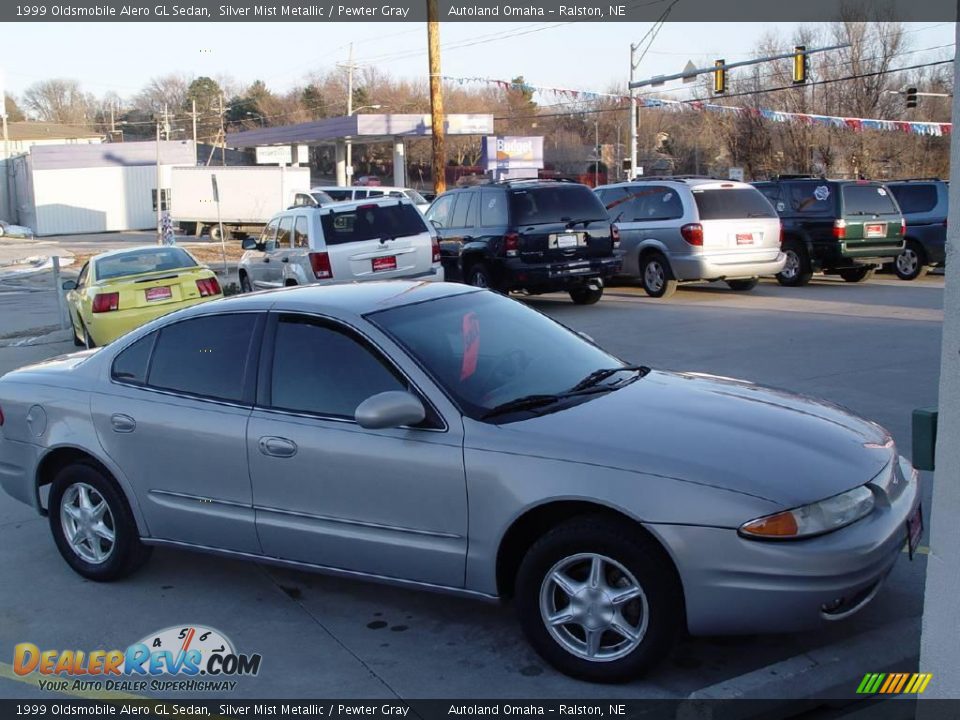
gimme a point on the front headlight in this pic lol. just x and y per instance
(814, 519)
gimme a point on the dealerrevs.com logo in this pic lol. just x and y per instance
(180, 658)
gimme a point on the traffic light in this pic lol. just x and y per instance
(800, 65)
(720, 77)
(911, 97)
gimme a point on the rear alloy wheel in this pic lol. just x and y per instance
(656, 276)
(855, 275)
(598, 600)
(215, 234)
(587, 295)
(796, 272)
(479, 276)
(92, 524)
(911, 264)
(743, 285)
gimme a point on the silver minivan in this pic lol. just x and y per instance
(694, 229)
(374, 239)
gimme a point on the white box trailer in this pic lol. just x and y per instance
(249, 196)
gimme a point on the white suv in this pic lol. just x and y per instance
(359, 192)
(379, 239)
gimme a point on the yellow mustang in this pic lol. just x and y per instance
(118, 291)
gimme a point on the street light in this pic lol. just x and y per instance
(351, 112)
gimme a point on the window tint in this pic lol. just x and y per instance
(338, 195)
(359, 194)
(283, 233)
(462, 214)
(811, 198)
(320, 198)
(301, 237)
(771, 193)
(323, 370)
(415, 197)
(647, 203)
(493, 208)
(609, 196)
(372, 222)
(441, 210)
(868, 200)
(135, 262)
(204, 356)
(915, 198)
(131, 364)
(374, 193)
(269, 234)
(552, 204)
(733, 203)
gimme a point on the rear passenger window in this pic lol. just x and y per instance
(611, 197)
(648, 204)
(301, 236)
(131, 364)
(462, 215)
(915, 198)
(493, 208)
(283, 233)
(811, 198)
(205, 356)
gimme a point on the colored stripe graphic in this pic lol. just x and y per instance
(894, 683)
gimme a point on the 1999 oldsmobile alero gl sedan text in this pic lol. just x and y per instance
(446, 437)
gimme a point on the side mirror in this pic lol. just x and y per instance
(249, 243)
(69, 285)
(389, 409)
(587, 337)
(438, 225)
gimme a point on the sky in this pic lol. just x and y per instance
(122, 57)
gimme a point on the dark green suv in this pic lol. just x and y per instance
(840, 227)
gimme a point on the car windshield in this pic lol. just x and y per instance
(135, 262)
(321, 197)
(486, 350)
(372, 222)
(554, 204)
(733, 203)
(868, 200)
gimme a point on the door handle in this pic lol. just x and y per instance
(286, 260)
(123, 423)
(277, 447)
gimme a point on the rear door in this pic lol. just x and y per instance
(559, 222)
(377, 241)
(873, 220)
(737, 220)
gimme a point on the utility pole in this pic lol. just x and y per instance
(596, 163)
(349, 113)
(634, 124)
(159, 189)
(436, 98)
(193, 116)
(223, 133)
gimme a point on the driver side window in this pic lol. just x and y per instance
(441, 210)
(268, 238)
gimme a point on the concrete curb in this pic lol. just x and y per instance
(831, 672)
(38, 336)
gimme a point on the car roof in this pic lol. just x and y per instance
(342, 205)
(690, 182)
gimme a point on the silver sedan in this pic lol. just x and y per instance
(452, 439)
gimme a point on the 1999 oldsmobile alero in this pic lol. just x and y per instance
(450, 438)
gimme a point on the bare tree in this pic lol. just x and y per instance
(167, 90)
(59, 100)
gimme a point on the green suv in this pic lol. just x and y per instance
(840, 227)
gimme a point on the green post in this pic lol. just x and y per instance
(924, 438)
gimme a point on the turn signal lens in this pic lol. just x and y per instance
(320, 264)
(106, 302)
(840, 228)
(781, 525)
(511, 244)
(814, 519)
(615, 234)
(208, 287)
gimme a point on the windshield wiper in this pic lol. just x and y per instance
(531, 402)
(598, 376)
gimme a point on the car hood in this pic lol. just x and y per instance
(729, 434)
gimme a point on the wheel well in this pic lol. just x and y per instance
(58, 459)
(469, 260)
(532, 525)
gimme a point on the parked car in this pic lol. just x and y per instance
(355, 192)
(840, 227)
(438, 436)
(118, 291)
(376, 239)
(924, 206)
(15, 231)
(681, 229)
(314, 198)
(536, 236)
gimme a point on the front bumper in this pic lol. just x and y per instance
(727, 266)
(547, 277)
(737, 586)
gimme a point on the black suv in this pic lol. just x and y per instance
(842, 227)
(537, 236)
(924, 206)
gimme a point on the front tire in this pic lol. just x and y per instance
(92, 525)
(587, 295)
(599, 600)
(215, 234)
(855, 275)
(656, 276)
(743, 285)
(911, 264)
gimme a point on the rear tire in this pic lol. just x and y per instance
(87, 340)
(575, 571)
(855, 275)
(743, 285)
(797, 272)
(245, 286)
(587, 295)
(77, 339)
(656, 276)
(215, 234)
(104, 543)
(478, 275)
(911, 264)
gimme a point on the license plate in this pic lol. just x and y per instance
(566, 241)
(384, 263)
(914, 530)
(744, 238)
(875, 230)
(159, 293)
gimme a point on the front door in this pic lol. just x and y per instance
(326, 491)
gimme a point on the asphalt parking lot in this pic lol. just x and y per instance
(874, 348)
